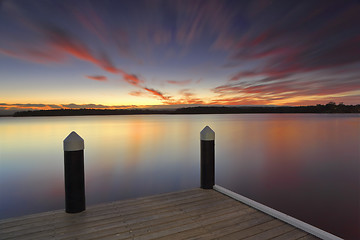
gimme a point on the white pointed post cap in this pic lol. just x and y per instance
(73, 142)
(207, 134)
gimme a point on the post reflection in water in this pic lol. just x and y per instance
(305, 165)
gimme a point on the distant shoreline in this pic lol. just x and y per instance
(328, 108)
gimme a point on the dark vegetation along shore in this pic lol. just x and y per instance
(328, 108)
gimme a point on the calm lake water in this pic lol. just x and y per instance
(305, 165)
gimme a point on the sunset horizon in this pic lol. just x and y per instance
(9, 109)
(163, 54)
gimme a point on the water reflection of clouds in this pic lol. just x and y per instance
(306, 161)
(291, 162)
(132, 148)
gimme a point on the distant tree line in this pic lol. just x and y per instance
(87, 111)
(331, 107)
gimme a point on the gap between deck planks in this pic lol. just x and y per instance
(189, 214)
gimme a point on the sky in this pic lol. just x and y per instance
(124, 54)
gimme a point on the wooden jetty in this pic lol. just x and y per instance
(190, 214)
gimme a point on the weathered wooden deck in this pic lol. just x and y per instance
(191, 214)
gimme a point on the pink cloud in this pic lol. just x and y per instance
(137, 93)
(156, 93)
(291, 46)
(239, 101)
(185, 101)
(76, 48)
(187, 97)
(63, 41)
(274, 91)
(261, 38)
(97, 78)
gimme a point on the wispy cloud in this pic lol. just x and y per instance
(89, 19)
(137, 93)
(97, 78)
(310, 46)
(285, 91)
(74, 47)
(182, 82)
(33, 55)
(131, 78)
(96, 106)
(156, 93)
(60, 42)
(186, 98)
(239, 101)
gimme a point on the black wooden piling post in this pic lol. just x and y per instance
(207, 155)
(74, 173)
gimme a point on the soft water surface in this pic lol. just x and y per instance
(305, 165)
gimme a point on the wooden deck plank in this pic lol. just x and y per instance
(271, 233)
(234, 226)
(197, 225)
(185, 234)
(154, 224)
(62, 225)
(130, 203)
(258, 228)
(88, 222)
(112, 212)
(109, 207)
(140, 227)
(190, 214)
(308, 237)
(292, 235)
(227, 213)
